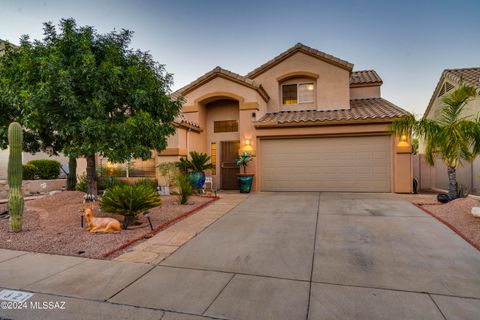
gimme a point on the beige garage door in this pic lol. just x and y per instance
(359, 164)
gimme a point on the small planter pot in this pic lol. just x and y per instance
(245, 181)
(197, 179)
(164, 190)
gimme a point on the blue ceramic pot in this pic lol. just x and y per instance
(197, 179)
(245, 182)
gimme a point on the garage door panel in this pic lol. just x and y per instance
(326, 164)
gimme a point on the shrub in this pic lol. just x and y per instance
(81, 183)
(184, 187)
(29, 171)
(148, 183)
(129, 201)
(46, 169)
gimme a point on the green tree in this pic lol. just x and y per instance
(451, 135)
(85, 93)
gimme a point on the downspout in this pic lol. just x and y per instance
(187, 142)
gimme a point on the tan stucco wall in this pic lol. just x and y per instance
(365, 92)
(332, 84)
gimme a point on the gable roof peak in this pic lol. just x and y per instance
(300, 47)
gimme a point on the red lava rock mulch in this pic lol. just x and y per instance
(52, 225)
(455, 214)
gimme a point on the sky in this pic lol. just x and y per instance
(409, 43)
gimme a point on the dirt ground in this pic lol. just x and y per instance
(456, 213)
(52, 225)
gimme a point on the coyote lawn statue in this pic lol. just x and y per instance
(100, 224)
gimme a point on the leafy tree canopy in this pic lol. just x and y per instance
(82, 93)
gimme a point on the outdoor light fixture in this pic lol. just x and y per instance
(147, 215)
(247, 142)
(403, 138)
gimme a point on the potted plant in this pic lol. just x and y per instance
(245, 179)
(195, 168)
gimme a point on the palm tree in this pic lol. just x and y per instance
(452, 136)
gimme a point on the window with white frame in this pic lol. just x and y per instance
(297, 93)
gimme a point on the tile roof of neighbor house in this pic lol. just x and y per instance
(361, 110)
(218, 71)
(300, 47)
(363, 77)
(469, 76)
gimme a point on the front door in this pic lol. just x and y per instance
(229, 167)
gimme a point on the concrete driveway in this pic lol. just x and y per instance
(317, 256)
(273, 256)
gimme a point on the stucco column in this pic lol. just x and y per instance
(403, 173)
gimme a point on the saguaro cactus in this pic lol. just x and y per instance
(15, 198)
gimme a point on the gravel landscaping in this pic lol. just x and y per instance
(52, 225)
(455, 213)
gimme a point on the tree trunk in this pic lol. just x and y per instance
(452, 183)
(72, 174)
(91, 175)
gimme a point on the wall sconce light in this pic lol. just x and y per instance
(403, 138)
(247, 142)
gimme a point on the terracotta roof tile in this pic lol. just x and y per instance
(306, 49)
(364, 77)
(470, 76)
(211, 73)
(180, 119)
(360, 110)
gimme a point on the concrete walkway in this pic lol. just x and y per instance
(274, 256)
(166, 242)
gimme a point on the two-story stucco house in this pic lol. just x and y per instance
(313, 123)
(468, 175)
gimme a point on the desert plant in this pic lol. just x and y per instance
(47, 169)
(129, 201)
(244, 159)
(150, 183)
(72, 173)
(81, 183)
(29, 171)
(198, 163)
(168, 171)
(184, 187)
(15, 195)
(452, 136)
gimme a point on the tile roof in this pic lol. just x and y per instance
(218, 71)
(361, 110)
(470, 76)
(181, 120)
(300, 47)
(362, 77)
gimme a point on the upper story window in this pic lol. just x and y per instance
(297, 93)
(225, 126)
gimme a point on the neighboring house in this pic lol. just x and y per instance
(468, 175)
(312, 122)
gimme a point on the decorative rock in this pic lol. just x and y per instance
(476, 212)
(443, 198)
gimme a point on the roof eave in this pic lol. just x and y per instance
(267, 125)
